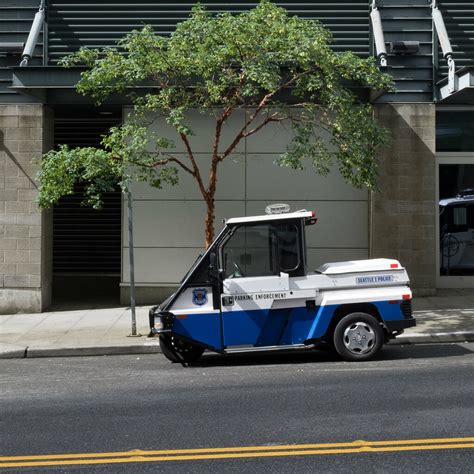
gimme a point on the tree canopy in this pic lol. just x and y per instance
(279, 68)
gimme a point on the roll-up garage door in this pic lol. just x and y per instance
(86, 241)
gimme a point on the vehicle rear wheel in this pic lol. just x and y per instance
(358, 336)
(177, 350)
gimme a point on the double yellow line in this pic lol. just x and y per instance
(236, 452)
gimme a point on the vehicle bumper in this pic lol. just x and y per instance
(160, 322)
(399, 325)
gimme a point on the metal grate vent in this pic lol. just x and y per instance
(15, 23)
(406, 308)
(85, 240)
(96, 24)
(459, 21)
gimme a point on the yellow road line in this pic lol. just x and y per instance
(235, 452)
(138, 452)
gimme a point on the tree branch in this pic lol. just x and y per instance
(195, 173)
(260, 106)
(265, 122)
(220, 121)
(179, 163)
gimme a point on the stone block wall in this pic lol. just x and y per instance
(403, 211)
(26, 132)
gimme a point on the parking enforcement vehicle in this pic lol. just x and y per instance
(252, 290)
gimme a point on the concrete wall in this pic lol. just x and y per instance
(403, 212)
(169, 223)
(26, 131)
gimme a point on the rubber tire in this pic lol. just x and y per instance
(177, 350)
(344, 323)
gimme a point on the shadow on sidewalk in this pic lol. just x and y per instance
(80, 305)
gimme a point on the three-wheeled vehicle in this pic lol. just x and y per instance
(252, 291)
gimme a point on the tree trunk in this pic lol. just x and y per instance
(211, 192)
(209, 225)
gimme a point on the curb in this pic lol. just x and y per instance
(440, 337)
(25, 352)
(32, 353)
(21, 352)
(12, 351)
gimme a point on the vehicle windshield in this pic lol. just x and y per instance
(262, 249)
(193, 266)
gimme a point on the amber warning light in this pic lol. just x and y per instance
(311, 220)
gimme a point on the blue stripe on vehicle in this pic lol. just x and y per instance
(265, 327)
(201, 327)
(321, 321)
(387, 311)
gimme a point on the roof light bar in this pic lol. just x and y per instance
(280, 208)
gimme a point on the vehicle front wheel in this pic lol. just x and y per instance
(358, 336)
(177, 350)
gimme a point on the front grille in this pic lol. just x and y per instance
(406, 308)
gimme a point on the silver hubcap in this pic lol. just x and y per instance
(359, 338)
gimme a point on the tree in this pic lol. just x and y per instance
(279, 68)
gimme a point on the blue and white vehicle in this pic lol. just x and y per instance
(252, 291)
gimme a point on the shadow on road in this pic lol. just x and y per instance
(395, 352)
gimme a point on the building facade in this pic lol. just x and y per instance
(421, 214)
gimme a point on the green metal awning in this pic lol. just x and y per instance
(55, 85)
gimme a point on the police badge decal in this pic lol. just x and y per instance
(200, 296)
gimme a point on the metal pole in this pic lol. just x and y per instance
(378, 35)
(449, 254)
(132, 266)
(29, 49)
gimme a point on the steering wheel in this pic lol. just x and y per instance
(449, 245)
(238, 273)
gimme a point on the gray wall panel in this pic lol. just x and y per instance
(169, 223)
(268, 181)
(175, 224)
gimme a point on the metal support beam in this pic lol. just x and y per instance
(378, 35)
(445, 44)
(35, 31)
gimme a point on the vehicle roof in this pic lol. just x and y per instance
(271, 217)
(457, 200)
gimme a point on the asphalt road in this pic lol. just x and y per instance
(266, 406)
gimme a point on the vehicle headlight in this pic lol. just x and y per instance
(158, 325)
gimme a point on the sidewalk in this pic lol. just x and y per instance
(103, 331)
(447, 317)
